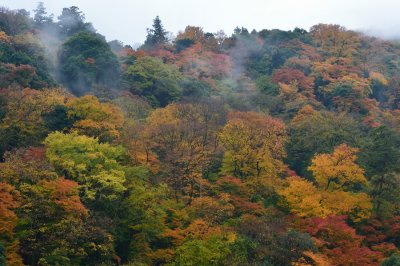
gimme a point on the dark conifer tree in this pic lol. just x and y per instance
(157, 35)
(41, 18)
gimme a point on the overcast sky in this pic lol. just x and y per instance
(127, 20)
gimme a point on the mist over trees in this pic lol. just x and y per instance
(265, 147)
(85, 60)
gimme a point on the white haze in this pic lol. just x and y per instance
(127, 20)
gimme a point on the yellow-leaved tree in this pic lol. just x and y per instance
(336, 192)
(337, 170)
(253, 145)
(95, 119)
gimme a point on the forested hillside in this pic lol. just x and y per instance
(266, 147)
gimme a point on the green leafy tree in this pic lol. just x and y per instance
(312, 132)
(86, 60)
(95, 119)
(24, 62)
(96, 167)
(270, 246)
(2, 255)
(393, 260)
(265, 85)
(194, 88)
(55, 227)
(23, 124)
(380, 156)
(143, 222)
(151, 78)
(212, 251)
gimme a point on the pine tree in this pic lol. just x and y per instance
(40, 16)
(157, 35)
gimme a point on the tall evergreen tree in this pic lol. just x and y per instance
(157, 35)
(381, 159)
(86, 60)
(72, 20)
(40, 18)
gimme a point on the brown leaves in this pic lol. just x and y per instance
(212, 210)
(339, 241)
(204, 65)
(335, 40)
(197, 230)
(289, 76)
(183, 136)
(65, 193)
(8, 202)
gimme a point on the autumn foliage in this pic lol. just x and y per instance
(262, 147)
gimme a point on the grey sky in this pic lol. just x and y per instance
(127, 20)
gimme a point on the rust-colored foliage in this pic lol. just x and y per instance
(26, 165)
(95, 119)
(204, 65)
(335, 40)
(339, 241)
(65, 193)
(25, 108)
(212, 210)
(4, 37)
(165, 55)
(8, 221)
(34, 154)
(21, 75)
(196, 34)
(289, 76)
(184, 138)
(381, 235)
(245, 206)
(198, 229)
(239, 193)
(254, 132)
(8, 203)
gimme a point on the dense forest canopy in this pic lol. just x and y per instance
(264, 147)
